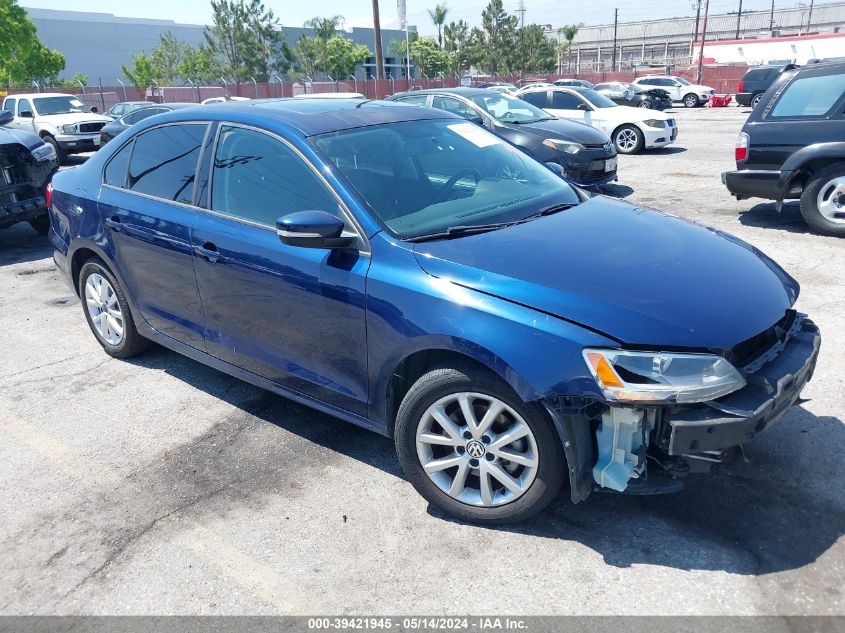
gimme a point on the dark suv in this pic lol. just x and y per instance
(793, 146)
(756, 81)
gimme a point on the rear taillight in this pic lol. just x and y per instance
(740, 87)
(742, 143)
(48, 194)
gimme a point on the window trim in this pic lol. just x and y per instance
(831, 112)
(193, 204)
(364, 247)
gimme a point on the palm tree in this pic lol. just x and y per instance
(569, 32)
(438, 16)
(324, 28)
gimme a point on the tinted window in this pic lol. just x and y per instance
(24, 106)
(164, 162)
(454, 106)
(565, 101)
(647, 82)
(758, 74)
(258, 178)
(538, 98)
(9, 105)
(115, 173)
(810, 96)
(418, 100)
(139, 115)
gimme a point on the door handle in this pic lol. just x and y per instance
(208, 251)
(113, 223)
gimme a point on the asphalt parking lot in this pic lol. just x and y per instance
(162, 486)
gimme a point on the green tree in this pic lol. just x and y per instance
(438, 16)
(307, 55)
(167, 56)
(344, 56)
(569, 31)
(540, 51)
(430, 59)
(500, 37)
(142, 73)
(456, 42)
(324, 28)
(23, 58)
(199, 64)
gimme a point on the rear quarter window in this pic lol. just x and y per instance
(164, 161)
(813, 96)
(760, 74)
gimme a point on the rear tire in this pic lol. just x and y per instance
(755, 100)
(690, 100)
(647, 103)
(823, 201)
(41, 224)
(421, 439)
(107, 311)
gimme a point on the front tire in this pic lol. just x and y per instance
(823, 201)
(107, 311)
(475, 450)
(646, 103)
(60, 153)
(690, 101)
(628, 139)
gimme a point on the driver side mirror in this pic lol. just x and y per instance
(94, 109)
(313, 229)
(25, 114)
(476, 118)
(6, 117)
(583, 106)
(555, 168)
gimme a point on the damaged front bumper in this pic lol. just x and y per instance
(644, 450)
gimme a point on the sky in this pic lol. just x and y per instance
(359, 12)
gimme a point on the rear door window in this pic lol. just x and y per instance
(164, 162)
(565, 101)
(115, 174)
(807, 97)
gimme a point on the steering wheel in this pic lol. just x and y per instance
(447, 188)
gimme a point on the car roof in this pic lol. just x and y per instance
(462, 91)
(318, 116)
(35, 95)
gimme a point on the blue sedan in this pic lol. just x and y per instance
(412, 273)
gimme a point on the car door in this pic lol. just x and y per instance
(147, 205)
(291, 314)
(24, 117)
(567, 104)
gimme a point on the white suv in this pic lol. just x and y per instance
(60, 119)
(679, 89)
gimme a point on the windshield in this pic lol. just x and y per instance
(682, 81)
(59, 105)
(423, 177)
(509, 109)
(597, 99)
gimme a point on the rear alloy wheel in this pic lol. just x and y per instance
(107, 311)
(823, 201)
(646, 103)
(755, 100)
(690, 101)
(628, 139)
(471, 447)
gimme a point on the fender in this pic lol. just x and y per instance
(794, 163)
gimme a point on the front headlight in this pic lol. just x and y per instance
(567, 147)
(661, 377)
(69, 129)
(655, 123)
(44, 152)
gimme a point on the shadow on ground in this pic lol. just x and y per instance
(763, 517)
(765, 215)
(20, 243)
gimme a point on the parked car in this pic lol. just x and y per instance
(330, 95)
(26, 164)
(128, 120)
(628, 94)
(793, 146)
(630, 129)
(125, 107)
(412, 273)
(586, 156)
(692, 95)
(499, 86)
(756, 81)
(224, 99)
(578, 83)
(62, 120)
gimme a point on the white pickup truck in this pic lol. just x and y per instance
(60, 119)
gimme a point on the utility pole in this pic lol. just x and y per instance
(695, 32)
(377, 37)
(703, 38)
(521, 11)
(615, 24)
(809, 17)
(772, 17)
(738, 18)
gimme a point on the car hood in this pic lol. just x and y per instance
(11, 135)
(73, 117)
(637, 275)
(565, 130)
(627, 113)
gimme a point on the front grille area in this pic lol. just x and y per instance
(89, 128)
(745, 352)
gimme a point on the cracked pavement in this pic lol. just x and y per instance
(160, 486)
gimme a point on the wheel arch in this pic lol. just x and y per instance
(799, 168)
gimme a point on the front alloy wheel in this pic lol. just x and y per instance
(690, 101)
(628, 139)
(476, 449)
